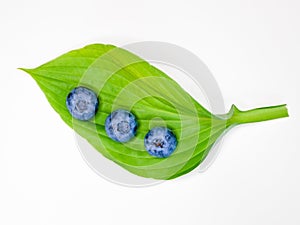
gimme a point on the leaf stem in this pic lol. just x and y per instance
(236, 116)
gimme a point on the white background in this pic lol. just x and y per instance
(251, 47)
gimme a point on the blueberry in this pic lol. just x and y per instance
(121, 125)
(82, 103)
(160, 142)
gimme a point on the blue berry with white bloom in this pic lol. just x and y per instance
(82, 103)
(160, 142)
(121, 125)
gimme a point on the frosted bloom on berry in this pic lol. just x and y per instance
(160, 142)
(121, 125)
(82, 103)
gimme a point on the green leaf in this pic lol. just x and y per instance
(123, 80)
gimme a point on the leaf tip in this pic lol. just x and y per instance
(23, 69)
(29, 71)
